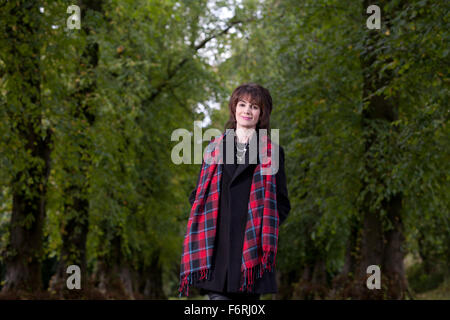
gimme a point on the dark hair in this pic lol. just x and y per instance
(257, 95)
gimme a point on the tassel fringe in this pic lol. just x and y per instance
(247, 277)
(187, 279)
(249, 274)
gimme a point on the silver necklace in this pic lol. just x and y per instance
(241, 157)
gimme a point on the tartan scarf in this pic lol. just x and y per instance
(261, 232)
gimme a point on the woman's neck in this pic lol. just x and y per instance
(244, 134)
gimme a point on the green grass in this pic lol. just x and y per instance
(442, 292)
(434, 285)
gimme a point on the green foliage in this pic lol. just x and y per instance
(308, 54)
(422, 281)
(158, 60)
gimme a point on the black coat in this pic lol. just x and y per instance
(236, 181)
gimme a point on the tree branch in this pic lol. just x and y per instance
(201, 45)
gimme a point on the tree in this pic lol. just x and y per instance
(75, 224)
(356, 117)
(21, 53)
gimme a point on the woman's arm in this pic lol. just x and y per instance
(283, 203)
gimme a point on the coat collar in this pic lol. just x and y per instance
(249, 161)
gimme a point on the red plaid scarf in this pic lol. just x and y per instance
(261, 232)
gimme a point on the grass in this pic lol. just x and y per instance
(442, 292)
(423, 285)
(426, 285)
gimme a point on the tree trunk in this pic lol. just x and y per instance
(153, 284)
(378, 246)
(313, 283)
(76, 206)
(73, 252)
(343, 282)
(394, 253)
(29, 186)
(352, 253)
(113, 276)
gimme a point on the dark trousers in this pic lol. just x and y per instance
(232, 296)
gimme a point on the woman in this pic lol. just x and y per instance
(231, 241)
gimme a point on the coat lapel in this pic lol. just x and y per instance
(242, 167)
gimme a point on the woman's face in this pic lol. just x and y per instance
(247, 114)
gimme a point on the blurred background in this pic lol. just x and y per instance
(87, 113)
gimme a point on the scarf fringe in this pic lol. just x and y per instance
(187, 279)
(248, 275)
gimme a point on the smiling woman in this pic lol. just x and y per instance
(232, 234)
(250, 100)
(247, 115)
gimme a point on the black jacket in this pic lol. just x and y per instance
(233, 204)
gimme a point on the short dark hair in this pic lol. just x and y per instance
(258, 95)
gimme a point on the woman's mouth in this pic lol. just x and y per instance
(246, 118)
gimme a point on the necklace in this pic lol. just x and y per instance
(241, 149)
